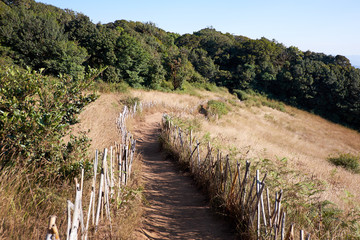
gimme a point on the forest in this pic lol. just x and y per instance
(66, 43)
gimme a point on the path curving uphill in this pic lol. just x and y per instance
(175, 209)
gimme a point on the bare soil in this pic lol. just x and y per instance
(176, 209)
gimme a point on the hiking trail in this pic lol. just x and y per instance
(175, 209)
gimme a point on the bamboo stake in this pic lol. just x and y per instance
(92, 197)
(94, 185)
(283, 226)
(100, 191)
(290, 233)
(198, 154)
(239, 177)
(111, 173)
(301, 234)
(268, 205)
(263, 212)
(53, 232)
(243, 185)
(70, 206)
(76, 215)
(258, 205)
(190, 142)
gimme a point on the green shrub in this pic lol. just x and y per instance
(130, 101)
(347, 161)
(105, 87)
(242, 95)
(35, 112)
(216, 108)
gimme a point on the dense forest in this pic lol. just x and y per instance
(66, 43)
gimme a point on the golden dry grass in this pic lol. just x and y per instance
(305, 139)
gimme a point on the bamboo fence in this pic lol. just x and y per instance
(244, 194)
(109, 175)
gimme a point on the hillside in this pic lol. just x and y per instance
(295, 143)
(64, 80)
(142, 55)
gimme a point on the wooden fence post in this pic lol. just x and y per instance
(53, 232)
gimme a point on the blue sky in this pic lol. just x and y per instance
(331, 26)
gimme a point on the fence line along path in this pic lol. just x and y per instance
(244, 194)
(111, 171)
(175, 209)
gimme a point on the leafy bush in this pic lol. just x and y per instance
(216, 108)
(347, 161)
(35, 112)
(130, 101)
(242, 95)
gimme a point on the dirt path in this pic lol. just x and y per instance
(175, 209)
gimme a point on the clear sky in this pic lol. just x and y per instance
(328, 26)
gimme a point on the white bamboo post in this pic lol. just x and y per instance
(100, 191)
(76, 215)
(94, 184)
(92, 197)
(283, 221)
(70, 206)
(111, 184)
(263, 212)
(120, 166)
(301, 234)
(268, 205)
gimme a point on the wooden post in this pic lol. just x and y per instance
(100, 191)
(198, 154)
(283, 226)
(290, 233)
(268, 206)
(111, 173)
(53, 232)
(76, 215)
(70, 206)
(301, 234)
(258, 206)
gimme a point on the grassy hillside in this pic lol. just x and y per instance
(292, 145)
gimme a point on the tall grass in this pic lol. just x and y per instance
(320, 217)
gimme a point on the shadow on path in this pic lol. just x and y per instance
(175, 209)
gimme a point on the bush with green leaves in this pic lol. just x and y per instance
(347, 161)
(216, 108)
(35, 112)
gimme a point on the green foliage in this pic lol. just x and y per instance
(35, 38)
(143, 55)
(130, 101)
(347, 161)
(252, 98)
(35, 111)
(216, 108)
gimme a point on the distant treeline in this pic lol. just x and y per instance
(142, 55)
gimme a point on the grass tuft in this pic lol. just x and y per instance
(347, 161)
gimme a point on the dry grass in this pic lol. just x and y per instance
(305, 139)
(25, 206)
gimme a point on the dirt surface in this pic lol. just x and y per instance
(175, 209)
